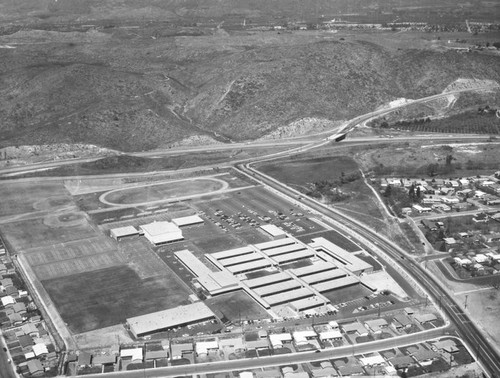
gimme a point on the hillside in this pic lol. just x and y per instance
(149, 86)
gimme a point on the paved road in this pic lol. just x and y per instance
(6, 368)
(485, 353)
(280, 360)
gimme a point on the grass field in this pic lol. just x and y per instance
(164, 191)
(34, 233)
(237, 304)
(21, 198)
(106, 297)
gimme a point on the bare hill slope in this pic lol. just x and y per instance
(133, 89)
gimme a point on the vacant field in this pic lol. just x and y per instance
(106, 297)
(21, 198)
(163, 191)
(348, 191)
(300, 173)
(237, 305)
(34, 233)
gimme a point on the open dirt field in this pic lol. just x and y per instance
(237, 305)
(34, 233)
(106, 297)
(151, 193)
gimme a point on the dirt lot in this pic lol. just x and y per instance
(106, 297)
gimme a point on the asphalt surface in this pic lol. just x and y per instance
(6, 368)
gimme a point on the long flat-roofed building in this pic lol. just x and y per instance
(289, 296)
(275, 243)
(324, 276)
(123, 232)
(213, 282)
(267, 280)
(190, 220)
(307, 303)
(249, 266)
(316, 267)
(233, 252)
(240, 259)
(277, 288)
(274, 231)
(163, 320)
(335, 284)
(346, 259)
(293, 256)
(284, 249)
(159, 233)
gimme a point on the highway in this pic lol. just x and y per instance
(465, 327)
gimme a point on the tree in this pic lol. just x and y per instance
(411, 192)
(388, 191)
(418, 193)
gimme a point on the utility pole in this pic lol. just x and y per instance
(465, 303)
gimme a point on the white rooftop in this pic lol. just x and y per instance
(187, 221)
(161, 232)
(124, 231)
(272, 230)
(165, 319)
(135, 353)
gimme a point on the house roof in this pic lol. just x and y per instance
(424, 355)
(34, 366)
(134, 353)
(40, 349)
(25, 340)
(156, 354)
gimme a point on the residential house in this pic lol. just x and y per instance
(425, 318)
(425, 356)
(35, 368)
(179, 349)
(447, 346)
(354, 328)
(401, 321)
(156, 355)
(402, 362)
(492, 238)
(421, 209)
(376, 325)
(430, 225)
(480, 218)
